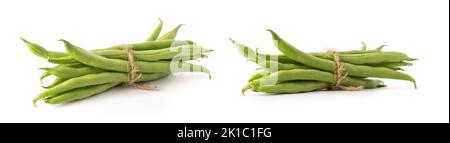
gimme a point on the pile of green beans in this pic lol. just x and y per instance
(295, 71)
(81, 74)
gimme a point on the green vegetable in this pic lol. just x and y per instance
(293, 87)
(328, 65)
(296, 71)
(80, 93)
(152, 45)
(184, 51)
(122, 65)
(81, 74)
(56, 82)
(93, 79)
(156, 32)
(171, 34)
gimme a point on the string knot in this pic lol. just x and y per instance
(133, 73)
(339, 74)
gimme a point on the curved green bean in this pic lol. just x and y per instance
(185, 51)
(245, 88)
(44, 75)
(121, 65)
(251, 54)
(40, 51)
(258, 75)
(63, 58)
(55, 82)
(171, 34)
(156, 32)
(151, 45)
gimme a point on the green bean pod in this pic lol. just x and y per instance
(143, 58)
(391, 64)
(369, 58)
(55, 82)
(171, 34)
(123, 66)
(60, 57)
(85, 92)
(156, 32)
(258, 75)
(44, 75)
(251, 54)
(292, 87)
(245, 88)
(314, 75)
(93, 79)
(273, 66)
(80, 93)
(147, 55)
(40, 51)
(72, 70)
(328, 65)
(151, 45)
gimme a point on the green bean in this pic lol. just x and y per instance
(40, 51)
(252, 78)
(44, 75)
(121, 65)
(245, 88)
(314, 75)
(151, 45)
(397, 68)
(93, 79)
(72, 70)
(147, 55)
(84, 92)
(144, 58)
(156, 32)
(364, 48)
(369, 58)
(258, 75)
(328, 65)
(171, 34)
(80, 93)
(62, 58)
(349, 52)
(250, 54)
(392, 64)
(55, 82)
(292, 87)
(70, 60)
(380, 48)
(276, 66)
(362, 51)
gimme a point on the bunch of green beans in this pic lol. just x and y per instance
(81, 74)
(295, 71)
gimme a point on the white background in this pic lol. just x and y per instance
(419, 28)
